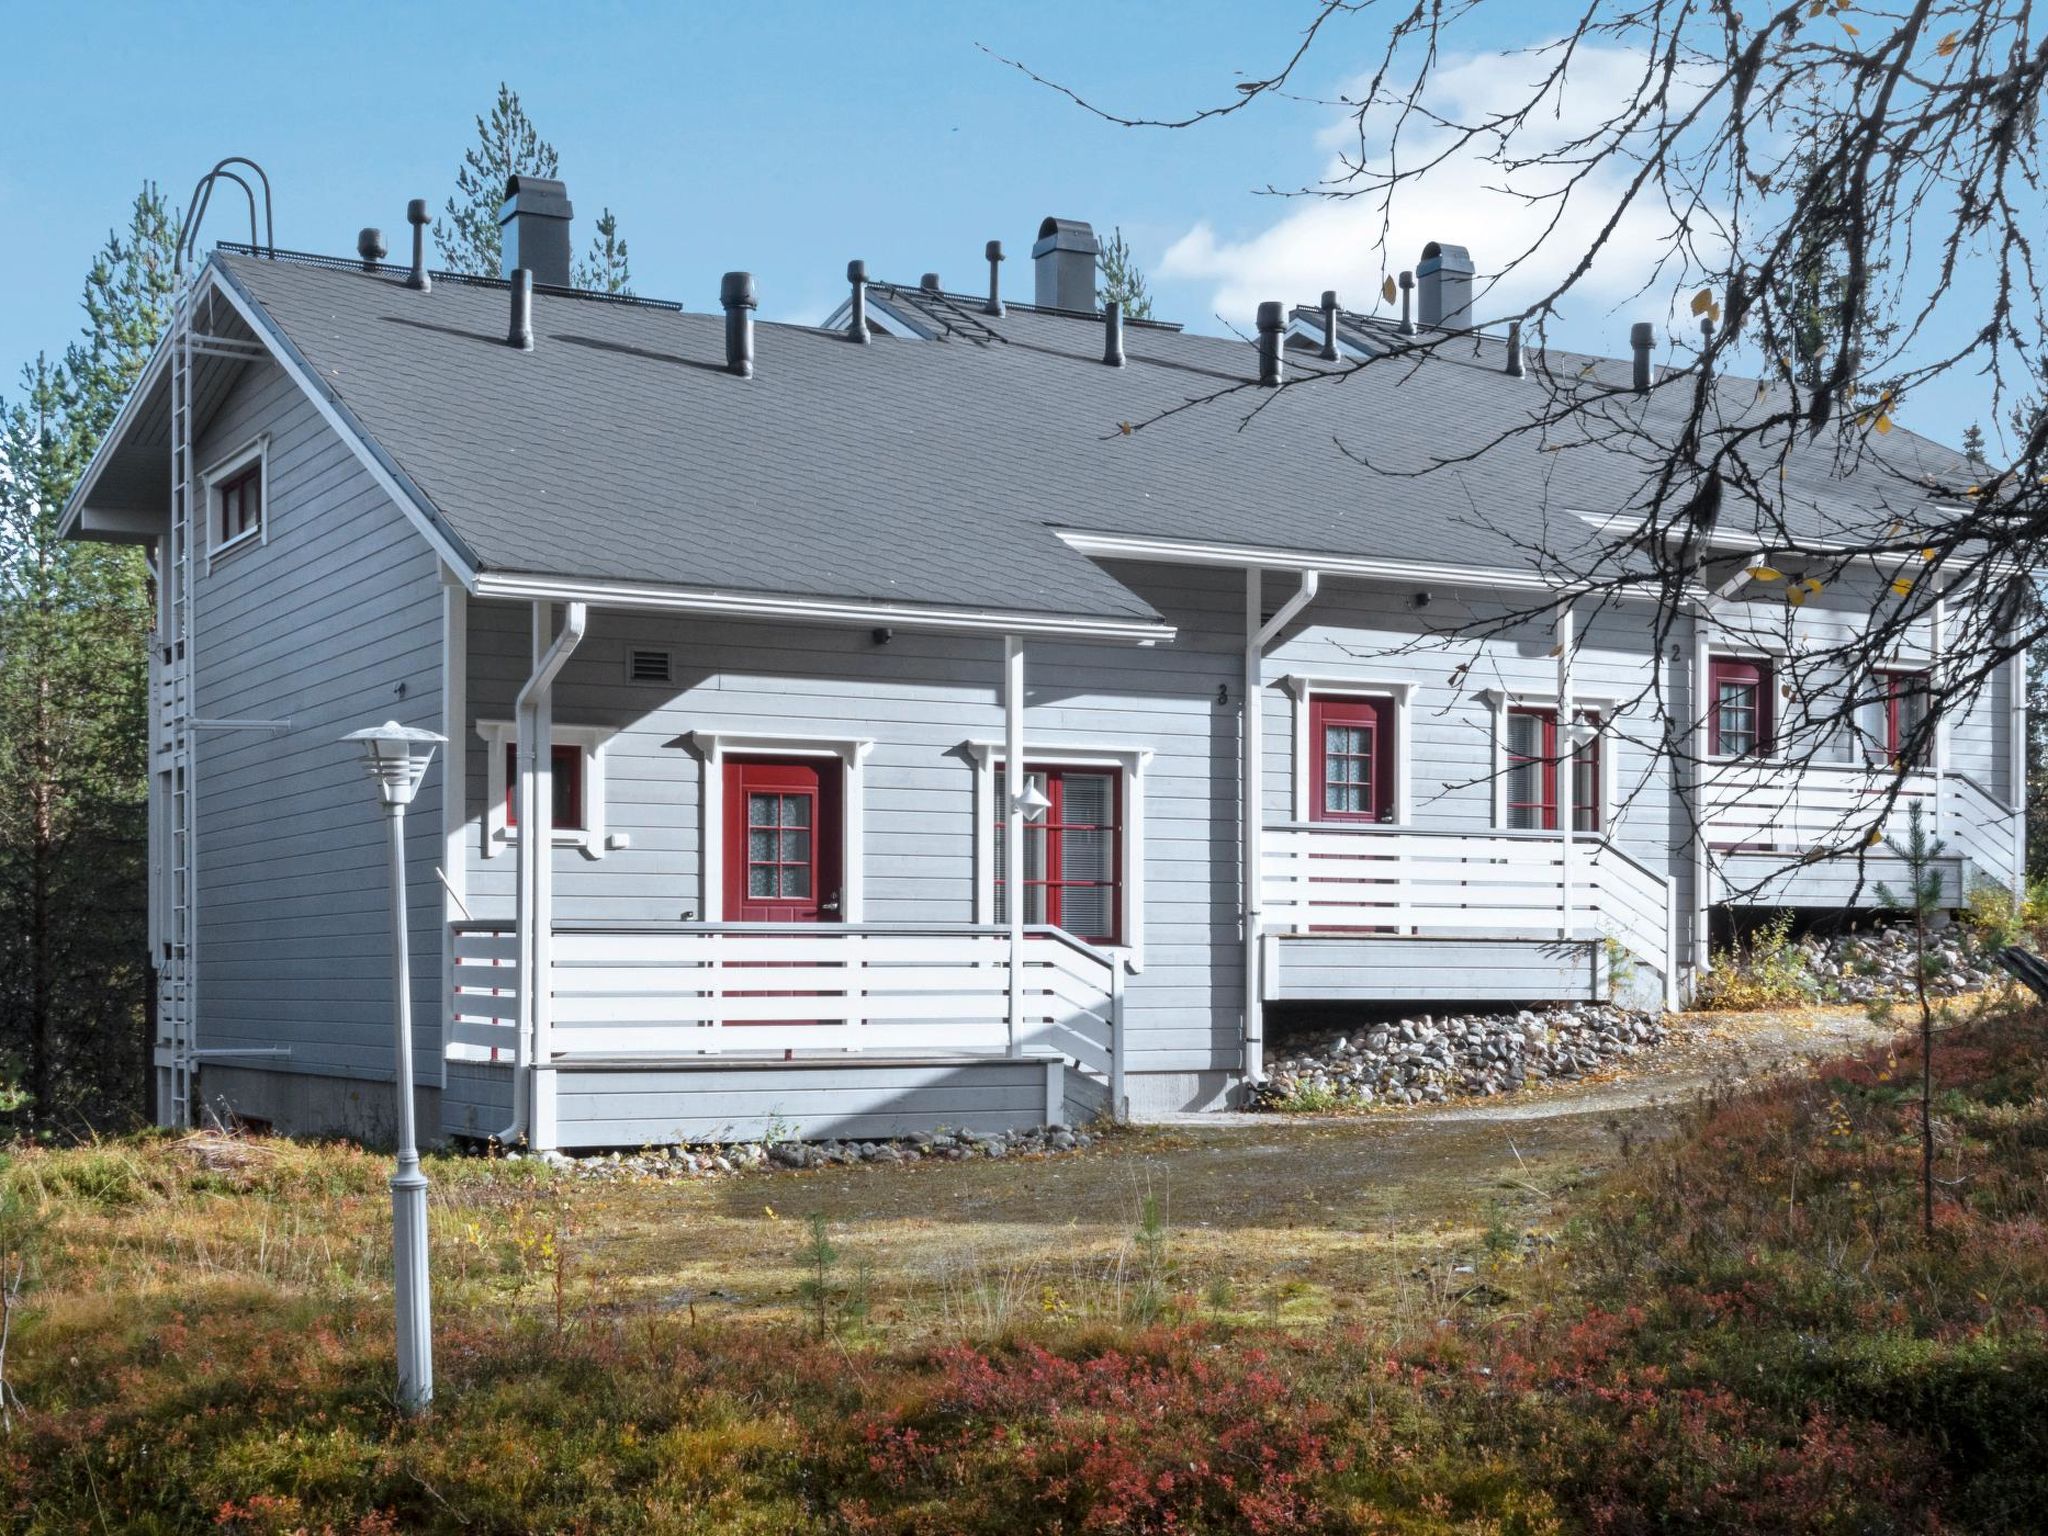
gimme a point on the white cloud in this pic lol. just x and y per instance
(1320, 242)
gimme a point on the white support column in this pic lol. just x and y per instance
(1014, 781)
(537, 832)
(1568, 737)
(2016, 772)
(454, 794)
(1252, 818)
(1702, 868)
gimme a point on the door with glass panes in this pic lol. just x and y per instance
(783, 841)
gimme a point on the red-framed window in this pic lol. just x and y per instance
(567, 776)
(1739, 721)
(239, 499)
(1073, 854)
(1536, 762)
(1898, 711)
(1351, 759)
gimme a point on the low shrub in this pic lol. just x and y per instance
(1768, 970)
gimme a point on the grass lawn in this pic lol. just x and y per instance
(1729, 1322)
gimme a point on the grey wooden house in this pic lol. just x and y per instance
(739, 633)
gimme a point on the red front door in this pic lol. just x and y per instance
(1351, 751)
(782, 841)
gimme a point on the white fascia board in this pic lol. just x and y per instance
(649, 597)
(384, 470)
(1121, 546)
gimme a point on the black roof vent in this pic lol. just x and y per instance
(534, 225)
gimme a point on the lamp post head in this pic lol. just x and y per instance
(396, 758)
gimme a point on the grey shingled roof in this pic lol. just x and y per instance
(935, 471)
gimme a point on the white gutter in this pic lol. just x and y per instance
(1015, 780)
(1121, 546)
(648, 597)
(1257, 636)
(534, 712)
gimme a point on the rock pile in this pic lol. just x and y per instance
(1878, 962)
(1427, 1060)
(716, 1160)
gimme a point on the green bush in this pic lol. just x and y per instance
(1767, 971)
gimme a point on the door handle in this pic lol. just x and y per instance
(830, 903)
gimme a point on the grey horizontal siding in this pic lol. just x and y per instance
(332, 623)
(642, 1106)
(476, 1100)
(1770, 880)
(1320, 968)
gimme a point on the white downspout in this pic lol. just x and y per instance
(1014, 782)
(1701, 863)
(2016, 775)
(534, 715)
(1567, 769)
(1257, 636)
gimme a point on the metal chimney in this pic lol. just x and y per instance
(1329, 352)
(1514, 368)
(736, 293)
(1272, 338)
(1642, 336)
(1063, 262)
(1445, 277)
(1113, 333)
(521, 333)
(857, 315)
(1407, 326)
(994, 252)
(416, 216)
(534, 225)
(371, 247)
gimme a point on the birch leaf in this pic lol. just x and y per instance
(1387, 288)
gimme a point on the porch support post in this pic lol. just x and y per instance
(1696, 772)
(2016, 769)
(1567, 798)
(533, 900)
(1013, 826)
(1259, 632)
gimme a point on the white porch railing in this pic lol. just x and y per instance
(764, 989)
(1474, 885)
(1787, 808)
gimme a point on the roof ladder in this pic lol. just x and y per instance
(173, 844)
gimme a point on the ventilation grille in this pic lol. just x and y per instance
(650, 666)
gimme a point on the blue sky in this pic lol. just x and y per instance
(781, 138)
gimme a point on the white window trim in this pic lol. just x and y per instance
(1130, 763)
(714, 747)
(592, 740)
(255, 451)
(1306, 686)
(1502, 700)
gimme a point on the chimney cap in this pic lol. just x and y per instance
(856, 271)
(1439, 257)
(993, 250)
(1272, 316)
(416, 211)
(929, 282)
(1067, 235)
(1329, 298)
(536, 194)
(371, 247)
(1642, 335)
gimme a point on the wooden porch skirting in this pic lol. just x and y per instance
(635, 1102)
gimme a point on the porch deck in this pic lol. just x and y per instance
(1361, 913)
(656, 1032)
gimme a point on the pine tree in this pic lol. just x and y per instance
(74, 621)
(605, 269)
(469, 238)
(1974, 446)
(1121, 279)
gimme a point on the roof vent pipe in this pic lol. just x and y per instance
(736, 293)
(416, 216)
(1407, 326)
(371, 247)
(994, 252)
(1514, 369)
(1707, 345)
(857, 315)
(1641, 337)
(1113, 333)
(1272, 333)
(929, 282)
(1329, 353)
(521, 334)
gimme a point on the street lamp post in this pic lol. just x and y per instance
(396, 757)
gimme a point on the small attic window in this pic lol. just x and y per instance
(650, 666)
(236, 494)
